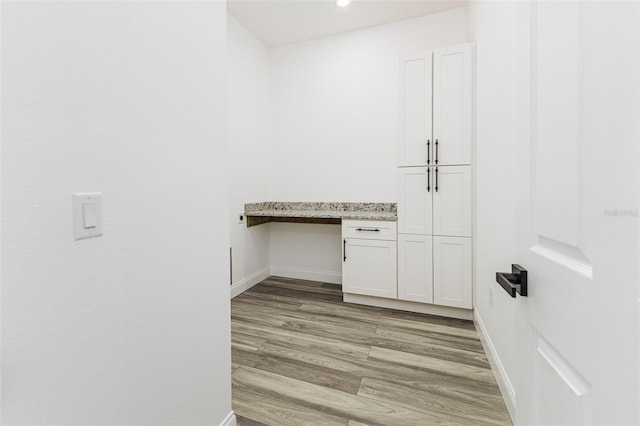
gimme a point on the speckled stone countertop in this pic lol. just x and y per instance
(364, 211)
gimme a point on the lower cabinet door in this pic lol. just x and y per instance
(415, 272)
(452, 284)
(369, 268)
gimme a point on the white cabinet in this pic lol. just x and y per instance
(452, 201)
(435, 200)
(435, 269)
(436, 107)
(452, 104)
(435, 211)
(415, 111)
(415, 187)
(369, 229)
(415, 272)
(452, 280)
(369, 264)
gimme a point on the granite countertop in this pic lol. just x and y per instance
(364, 211)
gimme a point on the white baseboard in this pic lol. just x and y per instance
(230, 420)
(506, 388)
(248, 282)
(306, 274)
(402, 305)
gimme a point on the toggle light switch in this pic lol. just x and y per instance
(87, 215)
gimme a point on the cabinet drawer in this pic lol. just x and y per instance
(369, 229)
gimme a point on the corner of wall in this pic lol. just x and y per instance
(230, 420)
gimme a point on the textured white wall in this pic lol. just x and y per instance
(335, 135)
(249, 122)
(491, 26)
(125, 98)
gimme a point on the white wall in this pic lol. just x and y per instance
(335, 111)
(125, 98)
(249, 122)
(491, 26)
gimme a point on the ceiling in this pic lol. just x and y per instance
(280, 22)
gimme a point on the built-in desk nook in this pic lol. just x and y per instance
(312, 212)
(380, 265)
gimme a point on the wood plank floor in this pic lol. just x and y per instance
(303, 357)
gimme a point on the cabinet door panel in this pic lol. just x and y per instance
(415, 108)
(414, 203)
(370, 268)
(452, 201)
(452, 285)
(415, 272)
(452, 104)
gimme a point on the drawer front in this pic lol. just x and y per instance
(370, 229)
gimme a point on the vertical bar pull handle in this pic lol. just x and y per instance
(436, 187)
(428, 179)
(437, 151)
(428, 151)
(344, 250)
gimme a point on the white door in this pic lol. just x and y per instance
(416, 184)
(415, 271)
(453, 104)
(452, 201)
(576, 163)
(369, 267)
(415, 109)
(452, 279)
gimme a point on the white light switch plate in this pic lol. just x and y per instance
(87, 215)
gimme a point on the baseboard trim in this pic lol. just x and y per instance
(402, 305)
(248, 282)
(506, 388)
(306, 274)
(230, 420)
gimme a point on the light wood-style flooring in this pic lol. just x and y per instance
(303, 357)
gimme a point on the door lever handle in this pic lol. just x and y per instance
(514, 282)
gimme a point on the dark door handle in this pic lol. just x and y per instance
(344, 250)
(428, 180)
(436, 187)
(515, 282)
(436, 151)
(428, 151)
(368, 229)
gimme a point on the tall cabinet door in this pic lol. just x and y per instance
(452, 280)
(415, 109)
(414, 203)
(452, 104)
(415, 272)
(452, 201)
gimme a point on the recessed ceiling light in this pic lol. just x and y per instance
(342, 3)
